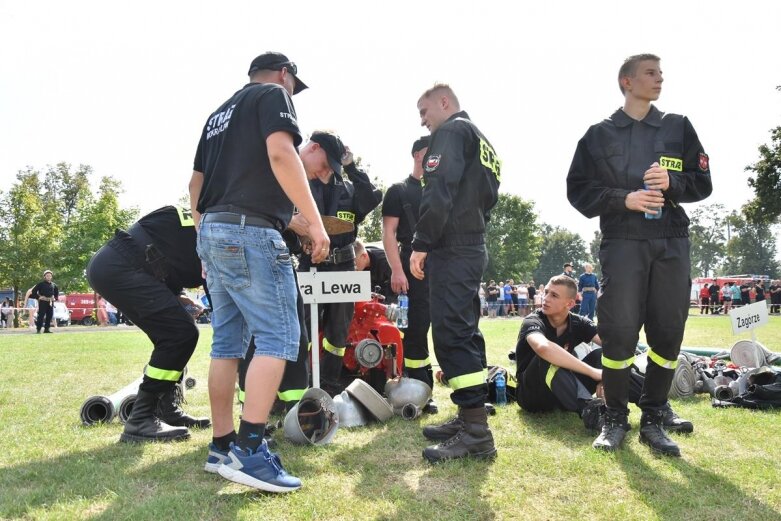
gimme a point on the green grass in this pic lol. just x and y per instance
(53, 468)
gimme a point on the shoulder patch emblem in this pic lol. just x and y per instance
(432, 162)
(703, 161)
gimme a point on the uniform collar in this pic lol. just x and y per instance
(461, 114)
(622, 119)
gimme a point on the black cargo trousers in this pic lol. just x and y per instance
(645, 283)
(454, 274)
(544, 387)
(117, 273)
(417, 363)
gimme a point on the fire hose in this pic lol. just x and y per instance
(103, 409)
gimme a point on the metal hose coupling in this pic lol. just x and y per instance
(408, 411)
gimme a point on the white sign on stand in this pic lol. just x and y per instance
(747, 318)
(323, 287)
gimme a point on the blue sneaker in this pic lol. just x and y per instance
(261, 470)
(215, 458)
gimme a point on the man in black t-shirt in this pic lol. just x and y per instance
(554, 373)
(247, 177)
(400, 212)
(46, 293)
(143, 272)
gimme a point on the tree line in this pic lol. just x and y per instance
(53, 219)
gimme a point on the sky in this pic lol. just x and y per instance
(126, 86)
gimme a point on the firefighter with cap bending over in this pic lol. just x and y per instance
(348, 199)
(46, 293)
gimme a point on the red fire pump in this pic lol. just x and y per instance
(374, 350)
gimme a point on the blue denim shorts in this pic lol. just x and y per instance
(249, 272)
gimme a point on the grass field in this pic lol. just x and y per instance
(53, 468)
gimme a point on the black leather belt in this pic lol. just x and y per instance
(340, 255)
(235, 218)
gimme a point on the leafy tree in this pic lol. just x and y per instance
(52, 220)
(24, 233)
(751, 248)
(96, 221)
(559, 246)
(512, 239)
(766, 205)
(65, 190)
(708, 243)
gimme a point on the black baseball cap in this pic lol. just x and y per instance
(275, 61)
(333, 147)
(420, 144)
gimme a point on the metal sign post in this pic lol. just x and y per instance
(326, 287)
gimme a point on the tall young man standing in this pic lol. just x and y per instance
(633, 170)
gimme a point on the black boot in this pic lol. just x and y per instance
(673, 423)
(431, 407)
(170, 412)
(614, 429)
(331, 374)
(444, 431)
(593, 414)
(143, 425)
(473, 440)
(652, 434)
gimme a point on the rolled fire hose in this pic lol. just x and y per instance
(684, 379)
(97, 409)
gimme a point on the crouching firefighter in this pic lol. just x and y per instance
(552, 373)
(142, 272)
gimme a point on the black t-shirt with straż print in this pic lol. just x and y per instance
(233, 157)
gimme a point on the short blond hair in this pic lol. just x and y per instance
(442, 89)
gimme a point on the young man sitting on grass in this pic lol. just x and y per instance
(551, 375)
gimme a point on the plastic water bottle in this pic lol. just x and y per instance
(402, 320)
(501, 389)
(658, 214)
